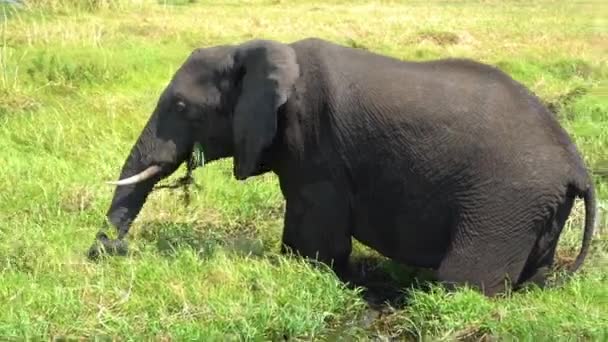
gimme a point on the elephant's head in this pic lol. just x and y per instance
(226, 98)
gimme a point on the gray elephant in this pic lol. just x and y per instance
(446, 164)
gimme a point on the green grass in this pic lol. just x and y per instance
(78, 80)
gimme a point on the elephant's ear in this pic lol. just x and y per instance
(269, 70)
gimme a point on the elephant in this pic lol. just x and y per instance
(446, 164)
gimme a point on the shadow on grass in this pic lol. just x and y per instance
(205, 239)
(383, 281)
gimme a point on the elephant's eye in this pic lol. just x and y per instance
(180, 106)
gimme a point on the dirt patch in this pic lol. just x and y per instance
(565, 257)
(16, 102)
(439, 37)
(143, 29)
(203, 237)
(77, 200)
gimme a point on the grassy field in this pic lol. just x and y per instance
(78, 80)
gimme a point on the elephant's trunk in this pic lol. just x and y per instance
(130, 195)
(150, 159)
(126, 205)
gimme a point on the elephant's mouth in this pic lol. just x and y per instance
(196, 159)
(193, 160)
(197, 156)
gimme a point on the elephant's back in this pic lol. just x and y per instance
(435, 121)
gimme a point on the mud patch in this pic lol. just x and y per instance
(205, 239)
(386, 282)
(386, 286)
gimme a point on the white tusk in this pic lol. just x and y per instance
(142, 176)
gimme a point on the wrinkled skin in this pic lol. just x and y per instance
(446, 164)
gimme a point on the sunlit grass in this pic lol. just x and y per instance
(78, 80)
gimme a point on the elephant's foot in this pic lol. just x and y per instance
(103, 246)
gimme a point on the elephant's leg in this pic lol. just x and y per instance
(542, 257)
(487, 254)
(317, 225)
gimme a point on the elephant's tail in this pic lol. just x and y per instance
(588, 196)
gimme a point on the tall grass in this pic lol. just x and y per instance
(77, 5)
